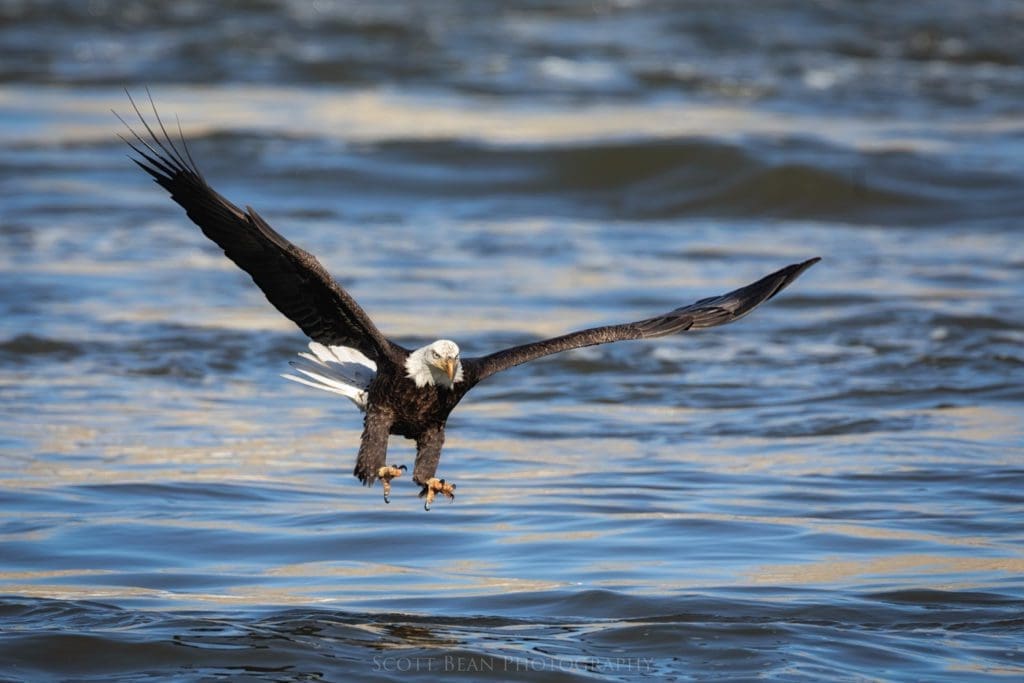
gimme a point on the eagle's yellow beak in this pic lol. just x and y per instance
(448, 365)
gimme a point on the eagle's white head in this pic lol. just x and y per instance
(435, 364)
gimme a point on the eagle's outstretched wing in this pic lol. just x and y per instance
(291, 278)
(716, 310)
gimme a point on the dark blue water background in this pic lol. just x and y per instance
(830, 489)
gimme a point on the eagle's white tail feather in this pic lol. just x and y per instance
(318, 375)
(338, 369)
(344, 390)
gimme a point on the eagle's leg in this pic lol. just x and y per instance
(373, 451)
(428, 455)
(386, 474)
(435, 486)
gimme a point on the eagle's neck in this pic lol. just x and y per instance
(424, 373)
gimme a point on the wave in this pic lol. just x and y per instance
(839, 56)
(641, 179)
(31, 345)
(153, 349)
(561, 635)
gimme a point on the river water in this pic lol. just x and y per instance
(829, 489)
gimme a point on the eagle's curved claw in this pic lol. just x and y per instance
(386, 474)
(435, 486)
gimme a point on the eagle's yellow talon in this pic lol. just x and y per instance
(435, 486)
(386, 474)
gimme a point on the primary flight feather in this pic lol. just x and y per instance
(404, 392)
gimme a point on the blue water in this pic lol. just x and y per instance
(829, 489)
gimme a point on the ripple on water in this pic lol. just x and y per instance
(578, 634)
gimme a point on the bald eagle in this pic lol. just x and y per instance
(404, 392)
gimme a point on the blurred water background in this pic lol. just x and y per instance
(830, 489)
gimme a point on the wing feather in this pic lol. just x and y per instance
(291, 278)
(709, 312)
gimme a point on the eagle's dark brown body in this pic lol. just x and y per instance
(298, 286)
(397, 406)
(413, 409)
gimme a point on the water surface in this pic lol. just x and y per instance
(829, 489)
